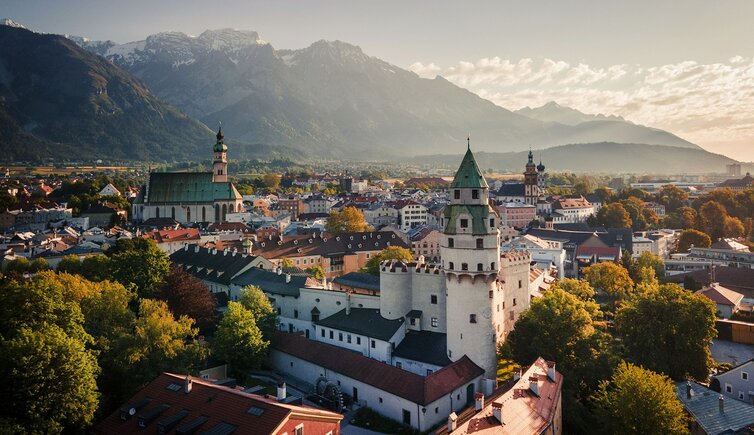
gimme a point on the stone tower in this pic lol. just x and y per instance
(470, 250)
(531, 181)
(220, 166)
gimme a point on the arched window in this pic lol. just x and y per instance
(231, 208)
(479, 267)
(188, 214)
(217, 212)
(225, 211)
(464, 266)
(157, 212)
(172, 212)
(204, 214)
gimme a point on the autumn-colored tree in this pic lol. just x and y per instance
(635, 207)
(390, 253)
(639, 401)
(650, 261)
(672, 197)
(614, 216)
(711, 219)
(188, 296)
(350, 219)
(316, 271)
(692, 237)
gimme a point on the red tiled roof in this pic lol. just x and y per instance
(410, 386)
(600, 251)
(218, 403)
(721, 295)
(164, 236)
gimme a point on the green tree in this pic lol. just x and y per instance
(635, 208)
(70, 264)
(239, 340)
(7, 200)
(692, 237)
(316, 271)
(286, 263)
(49, 380)
(610, 278)
(96, 268)
(711, 219)
(651, 261)
(672, 197)
(271, 181)
(142, 264)
(253, 299)
(639, 401)
(614, 216)
(390, 253)
(350, 219)
(668, 331)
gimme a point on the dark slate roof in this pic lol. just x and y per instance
(477, 212)
(360, 280)
(271, 282)
(326, 244)
(469, 174)
(512, 189)
(188, 188)
(203, 264)
(425, 346)
(736, 278)
(704, 408)
(410, 386)
(363, 321)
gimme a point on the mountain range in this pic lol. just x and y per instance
(155, 98)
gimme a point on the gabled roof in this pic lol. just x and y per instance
(188, 187)
(512, 189)
(424, 346)
(249, 413)
(212, 265)
(721, 295)
(469, 175)
(271, 282)
(360, 280)
(704, 407)
(363, 321)
(410, 386)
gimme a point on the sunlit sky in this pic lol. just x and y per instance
(684, 66)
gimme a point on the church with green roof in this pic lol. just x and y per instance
(190, 196)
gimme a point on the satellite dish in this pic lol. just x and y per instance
(132, 411)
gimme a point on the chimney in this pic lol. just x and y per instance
(551, 370)
(478, 401)
(281, 392)
(287, 278)
(348, 303)
(187, 384)
(497, 411)
(516, 375)
(534, 385)
(279, 270)
(452, 419)
(688, 389)
(721, 404)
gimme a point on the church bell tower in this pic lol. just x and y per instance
(220, 166)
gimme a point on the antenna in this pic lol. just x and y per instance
(468, 141)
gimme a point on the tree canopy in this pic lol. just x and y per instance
(390, 253)
(610, 278)
(638, 401)
(692, 237)
(188, 296)
(350, 219)
(253, 299)
(239, 340)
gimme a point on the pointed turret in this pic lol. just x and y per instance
(469, 175)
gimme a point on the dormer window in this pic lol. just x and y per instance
(457, 194)
(464, 223)
(475, 194)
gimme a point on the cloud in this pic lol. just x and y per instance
(706, 103)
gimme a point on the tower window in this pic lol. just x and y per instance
(475, 194)
(479, 267)
(464, 223)
(451, 242)
(472, 318)
(492, 222)
(519, 283)
(433, 299)
(492, 266)
(457, 194)
(450, 265)
(479, 243)
(434, 322)
(464, 266)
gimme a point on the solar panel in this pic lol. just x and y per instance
(174, 387)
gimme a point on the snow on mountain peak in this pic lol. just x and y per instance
(229, 39)
(10, 23)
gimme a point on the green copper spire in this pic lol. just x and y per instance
(468, 174)
(220, 145)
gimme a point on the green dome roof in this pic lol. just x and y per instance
(220, 145)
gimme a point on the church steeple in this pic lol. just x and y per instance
(220, 165)
(469, 175)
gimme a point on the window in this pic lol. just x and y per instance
(464, 223)
(429, 372)
(434, 322)
(380, 399)
(512, 315)
(475, 194)
(315, 317)
(492, 266)
(340, 336)
(457, 194)
(744, 376)
(728, 388)
(332, 335)
(398, 364)
(299, 429)
(451, 242)
(323, 333)
(295, 314)
(406, 417)
(472, 318)
(433, 299)
(450, 266)
(479, 267)
(741, 395)
(348, 338)
(412, 321)
(492, 222)
(479, 243)
(279, 311)
(519, 284)
(374, 344)
(358, 340)
(464, 266)
(514, 302)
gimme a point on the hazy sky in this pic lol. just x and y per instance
(686, 65)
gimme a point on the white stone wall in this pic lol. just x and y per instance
(376, 349)
(418, 367)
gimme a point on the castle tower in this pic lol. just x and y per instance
(220, 166)
(541, 179)
(531, 181)
(470, 250)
